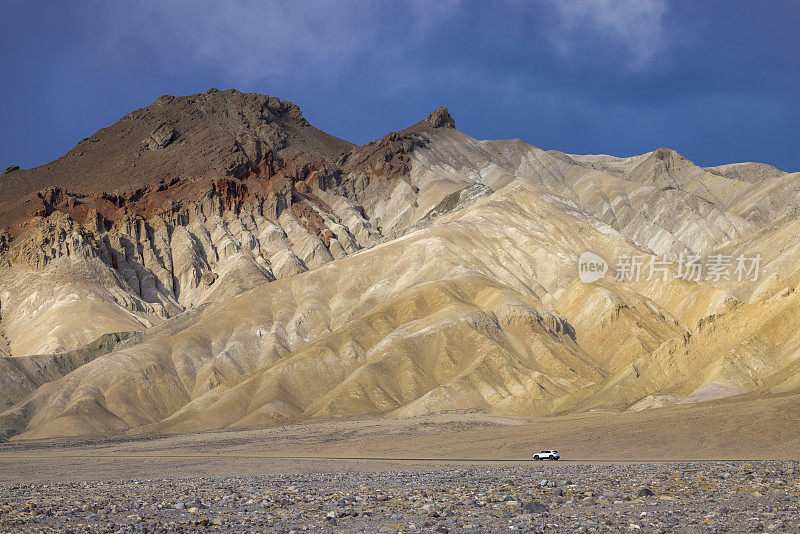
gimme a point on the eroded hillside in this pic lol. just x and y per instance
(275, 273)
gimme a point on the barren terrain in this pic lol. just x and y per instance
(751, 430)
(215, 315)
(244, 269)
(668, 497)
(667, 470)
(675, 469)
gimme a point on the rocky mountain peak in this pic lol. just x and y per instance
(440, 118)
(197, 139)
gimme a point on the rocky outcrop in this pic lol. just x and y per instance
(162, 136)
(5, 242)
(174, 258)
(440, 118)
(385, 159)
(57, 236)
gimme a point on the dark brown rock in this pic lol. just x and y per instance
(208, 278)
(440, 119)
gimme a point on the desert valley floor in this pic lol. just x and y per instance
(754, 429)
(677, 469)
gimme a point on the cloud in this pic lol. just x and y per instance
(394, 47)
(634, 29)
(252, 40)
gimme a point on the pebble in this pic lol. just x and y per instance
(536, 508)
(758, 496)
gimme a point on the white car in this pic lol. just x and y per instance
(547, 455)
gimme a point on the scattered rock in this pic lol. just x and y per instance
(474, 499)
(536, 508)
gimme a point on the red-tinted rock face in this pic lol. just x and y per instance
(197, 138)
(182, 201)
(238, 149)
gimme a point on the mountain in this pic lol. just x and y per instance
(214, 261)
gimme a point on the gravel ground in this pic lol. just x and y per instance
(552, 497)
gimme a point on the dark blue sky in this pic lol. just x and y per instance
(716, 80)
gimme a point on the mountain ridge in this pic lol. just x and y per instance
(299, 276)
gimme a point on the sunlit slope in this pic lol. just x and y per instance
(423, 272)
(456, 316)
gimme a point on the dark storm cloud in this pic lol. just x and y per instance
(714, 80)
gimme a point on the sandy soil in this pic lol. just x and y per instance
(749, 429)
